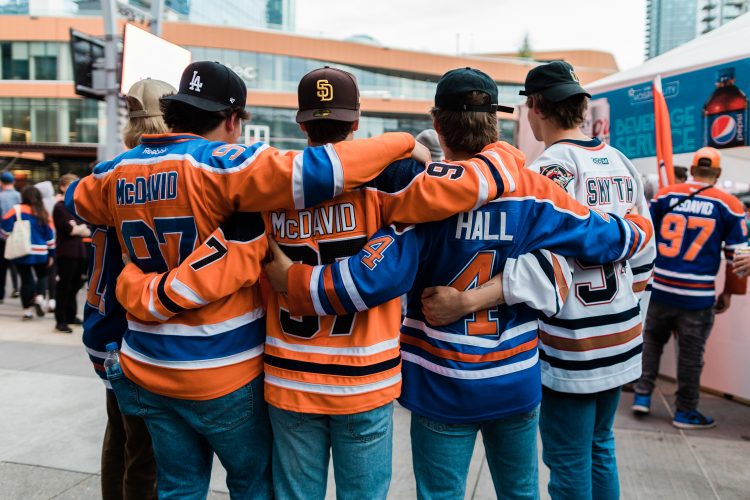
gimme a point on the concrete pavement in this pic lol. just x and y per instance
(52, 419)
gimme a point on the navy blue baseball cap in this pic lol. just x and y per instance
(453, 87)
(210, 86)
(7, 177)
(556, 81)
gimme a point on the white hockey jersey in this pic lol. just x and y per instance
(595, 342)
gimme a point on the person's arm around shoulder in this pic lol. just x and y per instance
(229, 259)
(565, 226)
(539, 279)
(412, 192)
(259, 177)
(384, 269)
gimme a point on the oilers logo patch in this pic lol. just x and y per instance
(557, 173)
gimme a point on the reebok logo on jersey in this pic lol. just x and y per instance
(196, 84)
(558, 174)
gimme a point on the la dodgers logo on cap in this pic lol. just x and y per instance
(195, 83)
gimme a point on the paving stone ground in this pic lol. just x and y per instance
(52, 419)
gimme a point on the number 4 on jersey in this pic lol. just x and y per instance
(476, 273)
(375, 249)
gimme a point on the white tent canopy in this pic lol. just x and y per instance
(727, 43)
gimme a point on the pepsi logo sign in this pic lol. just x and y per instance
(723, 129)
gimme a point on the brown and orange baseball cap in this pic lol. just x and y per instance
(328, 94)
(707, 157)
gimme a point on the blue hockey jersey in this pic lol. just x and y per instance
(486, 365)
(689, 241)
(103, 317)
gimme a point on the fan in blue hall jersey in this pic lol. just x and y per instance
(481, 372)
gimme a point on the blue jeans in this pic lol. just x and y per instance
(578, 444)
(442, 452)
(185, 435)
(361, 443)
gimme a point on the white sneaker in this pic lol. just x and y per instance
(38, 303)
(51, 303)
(27, 315)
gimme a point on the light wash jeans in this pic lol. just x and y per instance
(361, 443)
(442, 452)
(578, 444)
(185, 435)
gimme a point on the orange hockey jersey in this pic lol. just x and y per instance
(344, 364)
(166, 196)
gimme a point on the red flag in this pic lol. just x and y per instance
(663, 130)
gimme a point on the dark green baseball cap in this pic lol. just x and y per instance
(556, 81)
(453, 87)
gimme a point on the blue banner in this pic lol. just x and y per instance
(707, 107)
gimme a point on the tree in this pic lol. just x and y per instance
(525, 49)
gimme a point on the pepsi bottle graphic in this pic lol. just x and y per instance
(725, 114)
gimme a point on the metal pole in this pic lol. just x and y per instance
(157, 9)
(112, 142)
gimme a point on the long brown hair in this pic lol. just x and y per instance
(32, 197)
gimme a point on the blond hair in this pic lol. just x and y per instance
(136, 127)
(66, 180)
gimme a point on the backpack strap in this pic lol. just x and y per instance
(692, 195)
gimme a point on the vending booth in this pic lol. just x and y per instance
(706, 83)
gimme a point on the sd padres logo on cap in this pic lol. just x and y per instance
(325, 90)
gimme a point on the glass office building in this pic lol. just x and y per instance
(670, 23)
(41, 116)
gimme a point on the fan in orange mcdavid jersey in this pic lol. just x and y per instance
(167, 195)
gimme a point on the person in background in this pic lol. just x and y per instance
(47, 190)
(33, 268)
(692, 222)
(71, 260)
(429, 138)
(128, 465)
(680, 174)
(9, 197)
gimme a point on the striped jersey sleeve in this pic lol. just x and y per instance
(574, 230)
(539, 279)
(228, 260)
(253, 178)
(410, 192)
(384, 269)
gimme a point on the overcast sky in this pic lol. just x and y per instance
(616, 26)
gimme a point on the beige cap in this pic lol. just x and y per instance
(143, 97)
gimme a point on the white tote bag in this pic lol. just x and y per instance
(18, 243)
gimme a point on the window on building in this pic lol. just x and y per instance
(29, 60)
